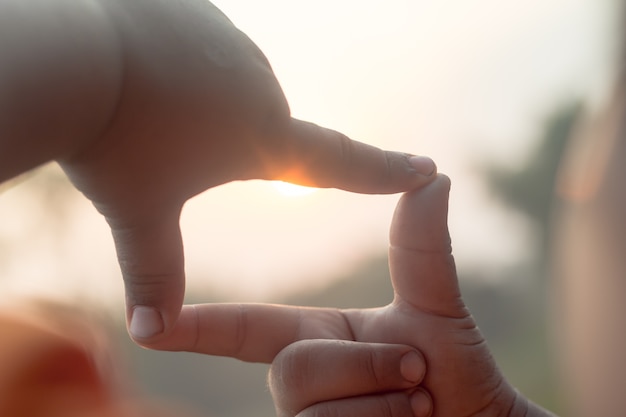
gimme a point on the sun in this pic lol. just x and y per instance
(292, 190)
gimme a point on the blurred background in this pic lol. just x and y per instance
(490, 90)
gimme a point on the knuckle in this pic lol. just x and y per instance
(396, 167)
(396, 405)
(376, 369)
(144, 288)
(371, 368)
(346, 147)
(390, 163)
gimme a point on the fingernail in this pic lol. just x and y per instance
(145, 322)
(421, 404)
(412, 367)
(423, 165)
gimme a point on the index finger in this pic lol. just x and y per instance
(250, 332)
(321, 157)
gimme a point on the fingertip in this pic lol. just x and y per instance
(420, 218)
(145, 324)
(428, 193)
(440, 183)
(423, 165)
(421, 403)
(407, 172)
(413, 367)
(445, 181)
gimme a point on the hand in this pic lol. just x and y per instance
(427, 313)
(198, 106)
(322, 377)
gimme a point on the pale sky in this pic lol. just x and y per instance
(460, 81)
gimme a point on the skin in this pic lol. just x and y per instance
(146, 103)
(427, 313)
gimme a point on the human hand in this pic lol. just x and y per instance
(427, 313)
(198, 106)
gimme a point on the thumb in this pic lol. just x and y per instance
(152, 262)
(420, 255)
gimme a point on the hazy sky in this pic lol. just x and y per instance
(461, 81)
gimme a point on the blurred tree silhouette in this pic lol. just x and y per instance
(529, 189)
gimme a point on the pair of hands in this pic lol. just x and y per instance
(176, 100)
